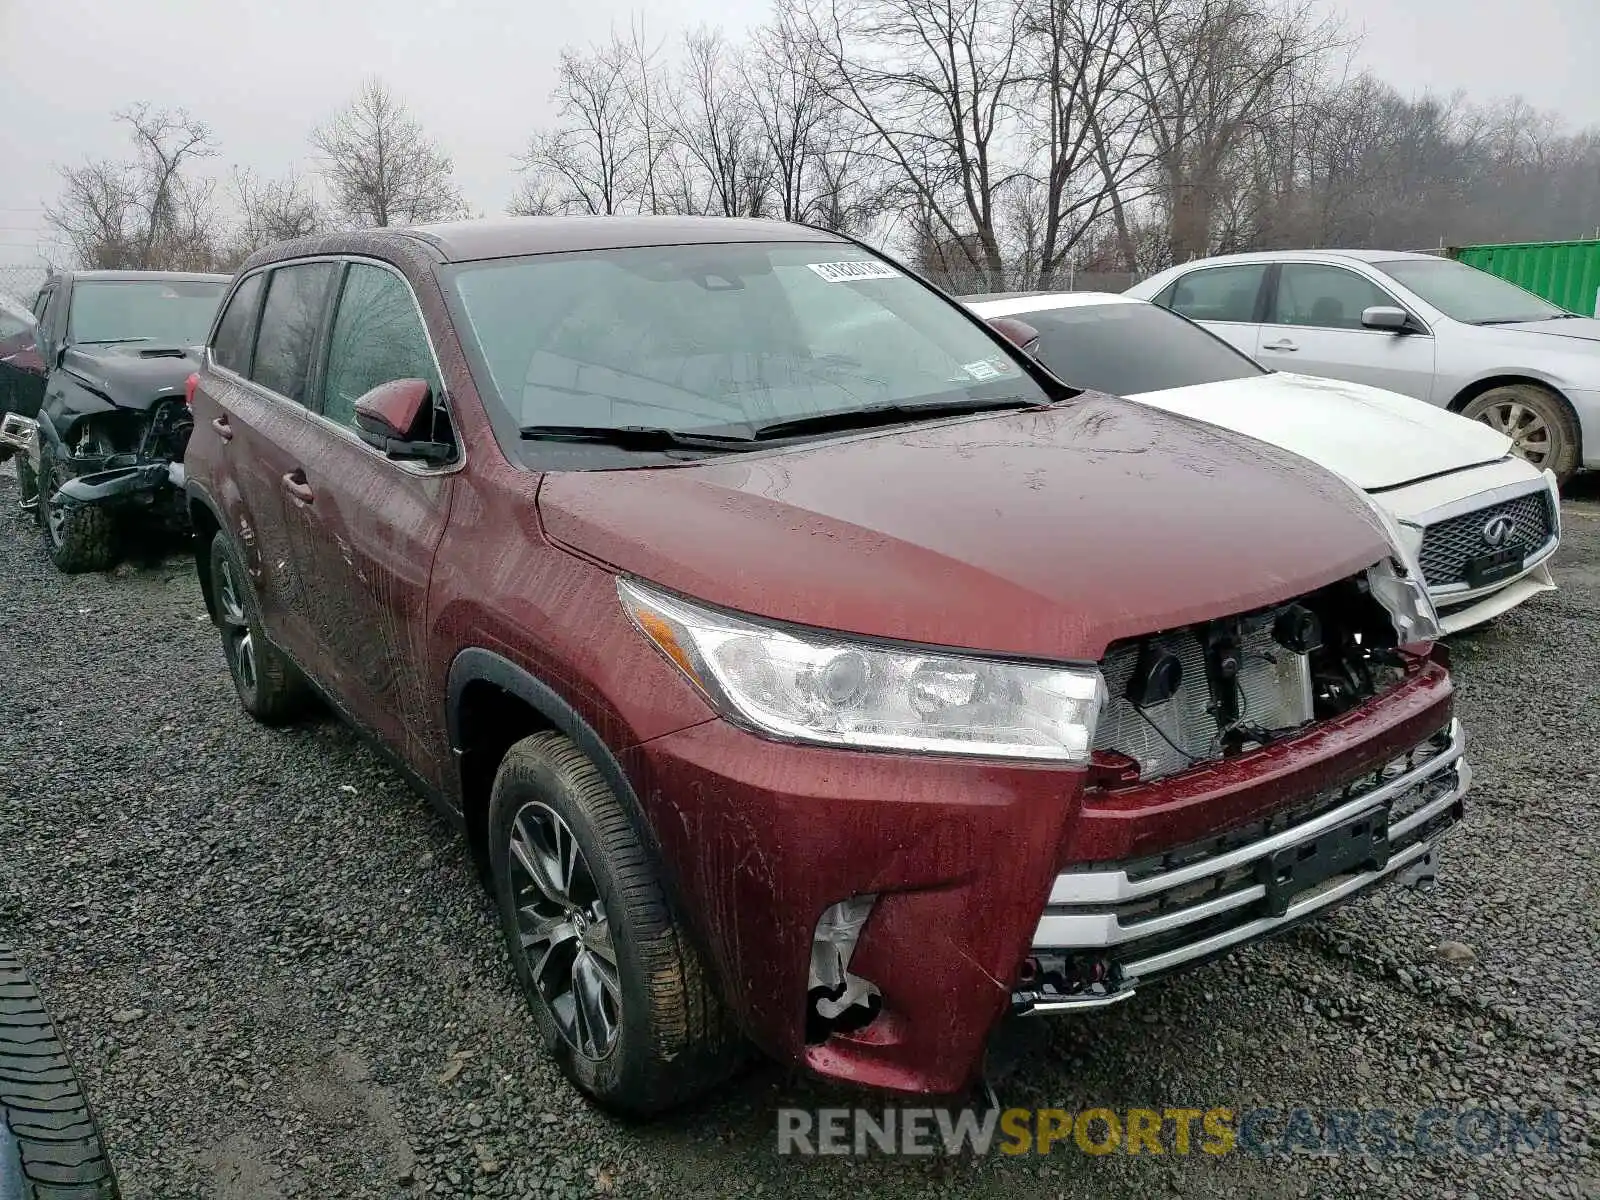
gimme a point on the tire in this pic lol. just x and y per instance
(77, 537)
(50, 1145)
(1540, 422)
(670, 1038)
(271, 689)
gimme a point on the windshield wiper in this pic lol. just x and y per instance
(886, 414)
(633, 437)
(109, 341)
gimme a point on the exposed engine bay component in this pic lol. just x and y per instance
(837, 1001)
(1217, 689)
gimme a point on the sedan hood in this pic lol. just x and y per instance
(1374, 438)
(1042, 533)
(132, 374)
(1583, 329)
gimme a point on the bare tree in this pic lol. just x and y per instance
(270, 211)
(146, 213)
(1206, 70)
(715, 122)
(936, 84)
(380, 166)
(591, 162)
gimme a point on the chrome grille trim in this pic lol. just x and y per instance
(1448, 544)
(1417, 794)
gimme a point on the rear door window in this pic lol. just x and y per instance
(236, 332)
(1217, 293)
(377, 338)
(291, 321)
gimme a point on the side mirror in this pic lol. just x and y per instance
(397, 418)
(1383, 316)
(1019, 333)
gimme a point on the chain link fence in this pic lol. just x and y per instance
(19, 281)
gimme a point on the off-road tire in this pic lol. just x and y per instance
(50, 1147)
(675, 1039)
(1550, 408)
(274, 691)
(88, 532)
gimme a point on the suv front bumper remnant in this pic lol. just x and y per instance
(1109, 928)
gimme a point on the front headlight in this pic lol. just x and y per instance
(835, 689)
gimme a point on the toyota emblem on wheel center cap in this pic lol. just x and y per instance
(1499, 531)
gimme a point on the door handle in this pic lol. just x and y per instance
(295, 484)
(224, 430)
(1284, 345)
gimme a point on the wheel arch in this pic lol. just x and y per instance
(206, 520)
(1479, 386)
(493, 703)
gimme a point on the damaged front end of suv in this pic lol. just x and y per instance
(103, 463)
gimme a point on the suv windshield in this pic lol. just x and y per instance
(725, 338)
(1126, 349)
(173, 312)
(1468, 294)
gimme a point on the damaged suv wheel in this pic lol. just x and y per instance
(270, 688)
(613, 981)
(77, 537)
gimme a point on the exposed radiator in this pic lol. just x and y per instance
(1274, 693)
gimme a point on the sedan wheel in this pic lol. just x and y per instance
(565, 931)
(1541, 427)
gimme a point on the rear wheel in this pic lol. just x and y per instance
(77, 537)
(1541, 427)
(612, 979)
(270, 687)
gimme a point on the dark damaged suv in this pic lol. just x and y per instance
(802, 661)
(107, 455)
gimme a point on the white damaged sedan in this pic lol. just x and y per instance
(1482, 523)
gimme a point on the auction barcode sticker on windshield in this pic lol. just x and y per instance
(849, 272)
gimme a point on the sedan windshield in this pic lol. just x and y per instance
(1129, 348)
(1467, 294)
(732, 339)
(171, 312)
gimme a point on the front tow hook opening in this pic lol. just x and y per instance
(838, 1002)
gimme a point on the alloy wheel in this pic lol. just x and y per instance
(1530, 436)
(237, 639)
(563, 931)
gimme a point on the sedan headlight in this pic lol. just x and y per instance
(1405, 598)
(813, 686)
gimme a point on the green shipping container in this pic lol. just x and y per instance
(1564, 273)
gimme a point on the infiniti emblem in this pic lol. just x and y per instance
(1499, 531)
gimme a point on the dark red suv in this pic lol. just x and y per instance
(805, 664)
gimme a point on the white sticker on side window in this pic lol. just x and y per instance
(849, 272)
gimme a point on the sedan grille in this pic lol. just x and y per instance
(1448, 546)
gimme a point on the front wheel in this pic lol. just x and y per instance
(1542, 428)
(616, 987)
(77, 537)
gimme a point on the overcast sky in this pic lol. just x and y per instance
(477, 72)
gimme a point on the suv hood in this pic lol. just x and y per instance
(1043, 533)
(1374, 438)
(132, 374)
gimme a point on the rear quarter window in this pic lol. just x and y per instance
(236, 332)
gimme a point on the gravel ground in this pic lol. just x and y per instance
(279, 977)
